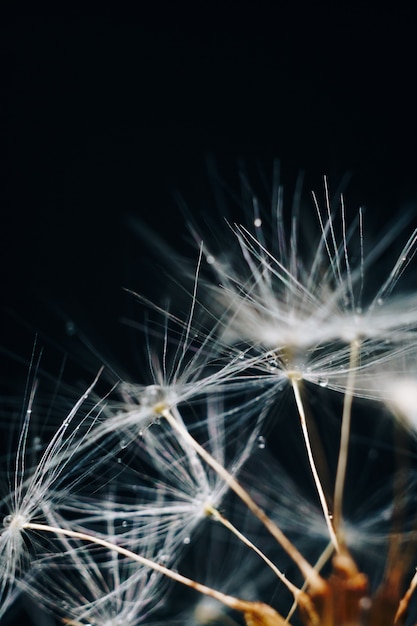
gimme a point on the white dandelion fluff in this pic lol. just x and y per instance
(32, 491)
(176, 472)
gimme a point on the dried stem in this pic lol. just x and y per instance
(322, 497)
(344, 437)
(405, 601)
(313, 578)
(215, 514)
(255, 609)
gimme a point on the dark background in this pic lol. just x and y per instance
(107, 118)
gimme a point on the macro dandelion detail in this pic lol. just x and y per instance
(262, 471)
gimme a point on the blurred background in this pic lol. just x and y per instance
(109, 118)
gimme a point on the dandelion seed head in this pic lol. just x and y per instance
(305, 297)
(295, 374)
(35, 489)
(207, 508)
(286, 311)
(155, 398)
(15, 523)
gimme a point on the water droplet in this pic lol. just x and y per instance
(123, 444)
(119, 460)
(152, 396)
(124, 523)
(17, 521)
(257, 222)
(7, 521)
(261, 442)
(186, 540)
(323, 381)
(380, 301)
(210, 259)
(386, 515)
(70, 328)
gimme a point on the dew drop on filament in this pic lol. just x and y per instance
(151, 396)
(7, 521)
(70, 328)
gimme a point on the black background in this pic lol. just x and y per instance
(106, 118)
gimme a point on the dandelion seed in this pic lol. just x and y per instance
(99, 588)
(300, 313)
(34, 491)
(126, 494)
